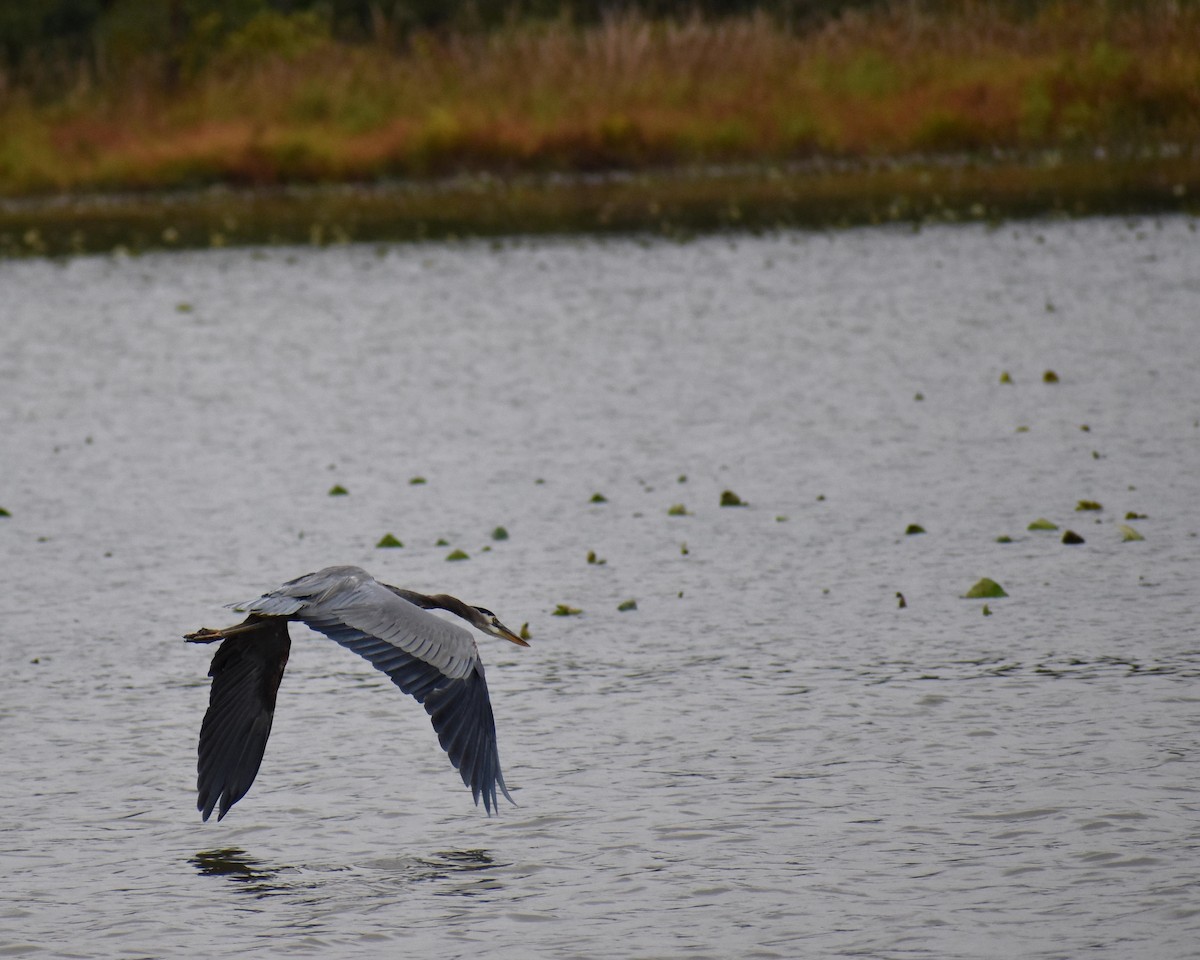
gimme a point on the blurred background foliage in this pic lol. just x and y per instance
(46, 44)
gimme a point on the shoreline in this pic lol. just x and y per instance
(676, 202)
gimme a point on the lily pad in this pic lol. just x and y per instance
(598, 498)
(1088, 505)
(1131, 515)
(337, 490)
(1041, 523)
(1071, 537)
(985, 588)
(1128, 533)
(415, 481)
(4, 513)
(1004, 538)
(683, 549)
(1049, 377)
(592, 558)
(987, 611)
(457, 555)
(442, 542)
(913, 528)
(388, 540)
(499, 534)
(627, 606)
(563, 610)
(677, 510)
(1004, 377)
(731, 499)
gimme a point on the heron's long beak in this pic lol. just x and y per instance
(502, 631)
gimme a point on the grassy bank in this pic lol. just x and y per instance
(633, 94)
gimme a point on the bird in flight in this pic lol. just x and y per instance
(433, 660)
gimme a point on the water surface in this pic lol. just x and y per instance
(769, 757)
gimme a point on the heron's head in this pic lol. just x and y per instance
(489, 623)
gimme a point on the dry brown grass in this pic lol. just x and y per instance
(631, 93)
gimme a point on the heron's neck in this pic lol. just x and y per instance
(439, 601)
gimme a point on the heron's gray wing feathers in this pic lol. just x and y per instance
(352, 597)
(434, 661)
(246, 672)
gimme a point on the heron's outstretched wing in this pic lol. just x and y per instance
(434, 661)
(246, 672)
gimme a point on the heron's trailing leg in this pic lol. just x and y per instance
(207, 635)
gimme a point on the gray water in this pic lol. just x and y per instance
(769, 757)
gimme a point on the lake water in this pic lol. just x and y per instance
(769, 757)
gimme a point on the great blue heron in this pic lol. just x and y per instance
(432, 660)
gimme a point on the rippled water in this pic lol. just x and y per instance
(769, 757)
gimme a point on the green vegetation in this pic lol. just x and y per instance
(1041, 523)
(499, 534)
(563, 610)
(1088, 505)
(457, 555)
(913, 528)
(388, 541)
(731, 499)
(626, 606)
(985, 588)
(337, 490)
(770, 113)
(1071, 537)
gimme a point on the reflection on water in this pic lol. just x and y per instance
(768, 757)
(239, 867)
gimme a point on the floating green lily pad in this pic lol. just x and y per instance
(387, 540)
(627, 606)
(1004, 538)
(457, 555)
(337, 490)
(563, 610)
(1004, 377)
(1041, 523)
(1135, 516)
(499, 534)
(184, 308)
(677, 510)
(4, 513)
(985, 588)
(1088, 505)
(598, 498)
(1071, 537)
(683, 549)
(913, 528)
(442, 542)
(1128, 533)
(1049, 377)
(987, 611)
(415, 481)
(682, 478)
(592, 558)
(731, 499)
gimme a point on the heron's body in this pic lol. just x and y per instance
(433, 660)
